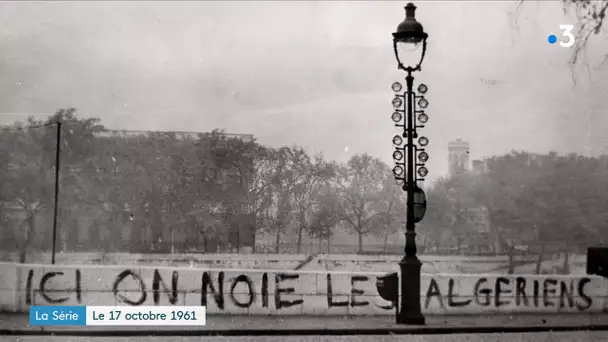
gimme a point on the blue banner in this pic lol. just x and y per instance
(58, 315)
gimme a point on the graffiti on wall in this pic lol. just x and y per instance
(233, 292)
(267, 290)
(517, 291)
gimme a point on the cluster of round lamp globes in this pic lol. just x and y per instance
(422, 118)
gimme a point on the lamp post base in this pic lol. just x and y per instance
(410, 310)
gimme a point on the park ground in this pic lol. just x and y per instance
(230, 325)
(590, 336)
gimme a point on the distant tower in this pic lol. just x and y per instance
(458, 152)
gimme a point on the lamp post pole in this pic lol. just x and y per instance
(56, 192)
(410, 226)
(408, 39)
(410, 311)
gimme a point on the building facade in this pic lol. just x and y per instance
(478, 236)
(458, 157)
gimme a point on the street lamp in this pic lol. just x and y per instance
(409, 43)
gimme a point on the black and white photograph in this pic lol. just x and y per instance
(304, 170)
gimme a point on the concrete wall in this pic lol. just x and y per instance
(381, 263)
(334, 262)
(283, 292)
(242, 261)
(229, 291)
(437, 264)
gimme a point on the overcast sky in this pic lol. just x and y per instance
(317, 74)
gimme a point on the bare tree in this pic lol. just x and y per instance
(392, 205)
(312, 174)
(325, 216)
(279, 214)
(361, 184)
(29, 178)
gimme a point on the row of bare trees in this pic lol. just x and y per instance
(535, 203)
(180, 192)
(173, 192)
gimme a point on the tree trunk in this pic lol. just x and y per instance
(566, 266)
(94, 237)
(205, 243)
(329, 245)
(238, 239)
(301, 225)
(253, 237)
(73, 235)
(118, 235)
(510, 253)
(299, 241)
(360, 243)
(320, 241)
(539, 261)
(385, 241)
(29, 233)
(277, 241)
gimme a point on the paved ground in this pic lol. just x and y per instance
(527, 337)
(11, 324)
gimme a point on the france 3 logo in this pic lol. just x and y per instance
(567, 36)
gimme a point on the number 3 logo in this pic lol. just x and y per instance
(567, 33)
